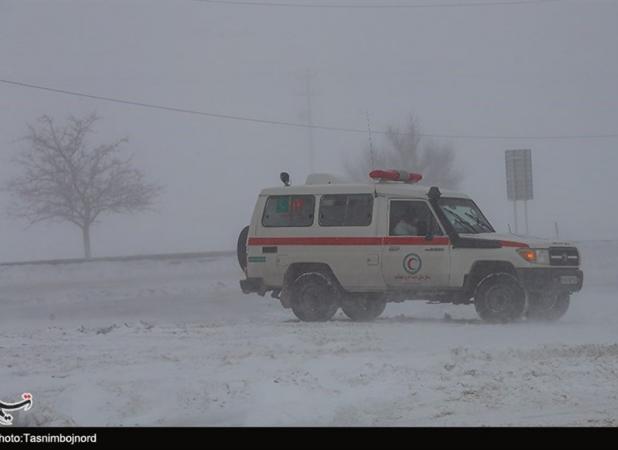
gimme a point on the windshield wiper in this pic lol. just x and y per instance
(460, 220)
(478, 221)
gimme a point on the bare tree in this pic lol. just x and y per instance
(65, 179)
(409, 151)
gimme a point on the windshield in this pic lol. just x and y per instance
(465, 216)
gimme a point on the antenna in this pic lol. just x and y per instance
(371, 153)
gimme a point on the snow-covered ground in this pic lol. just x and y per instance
(176, 343)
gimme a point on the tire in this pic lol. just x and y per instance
(314, 297)
(499, 298)
(241, 248)
(548, 306)
(363, 308)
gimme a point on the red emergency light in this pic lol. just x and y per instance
(395, 175)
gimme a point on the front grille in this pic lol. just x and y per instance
(563, 256)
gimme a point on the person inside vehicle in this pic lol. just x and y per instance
(408, 224)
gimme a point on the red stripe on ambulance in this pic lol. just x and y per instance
(315, 241)
(347, 241)
(390, 240)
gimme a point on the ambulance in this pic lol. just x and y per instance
(326, 244)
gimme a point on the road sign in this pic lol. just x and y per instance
(519, 174)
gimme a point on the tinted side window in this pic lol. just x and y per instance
(346, 210)
(412, 218)
(289, 211)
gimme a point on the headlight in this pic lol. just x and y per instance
(528, 254)
(533, 255)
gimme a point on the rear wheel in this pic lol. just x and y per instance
(499, 298)
(360, 308)
(548, 305)
(314, 297)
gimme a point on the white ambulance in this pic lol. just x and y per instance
(327, 245)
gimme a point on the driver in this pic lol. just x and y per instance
(408, 224)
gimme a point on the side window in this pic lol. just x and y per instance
(289, 211)
(412, 218)
(346, 210)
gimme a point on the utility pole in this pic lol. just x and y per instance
(526, 216)
(309, 93)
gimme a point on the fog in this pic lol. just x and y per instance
(537, 70)
(481, 79)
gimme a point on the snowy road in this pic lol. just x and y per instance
(176, 343)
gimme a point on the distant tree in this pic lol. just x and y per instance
(63, 178)
(407, 150)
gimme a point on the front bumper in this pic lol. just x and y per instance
(557, 279)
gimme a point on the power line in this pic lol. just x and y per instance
(296, 124)
(181, 110)
(378, 5)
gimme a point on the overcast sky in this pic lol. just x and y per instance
(512, 70)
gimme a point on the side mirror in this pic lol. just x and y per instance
(429, 236)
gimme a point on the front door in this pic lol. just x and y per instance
(416, 253)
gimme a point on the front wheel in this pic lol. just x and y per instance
(361, 308)
(548, 306)
(499, 298)
(314, 297)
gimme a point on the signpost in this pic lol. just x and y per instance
(519, 180)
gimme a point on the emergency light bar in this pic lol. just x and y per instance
(395, 175)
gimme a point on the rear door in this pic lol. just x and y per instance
(416, 252)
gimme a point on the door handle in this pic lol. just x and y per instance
(393, 249)
(373, 260)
